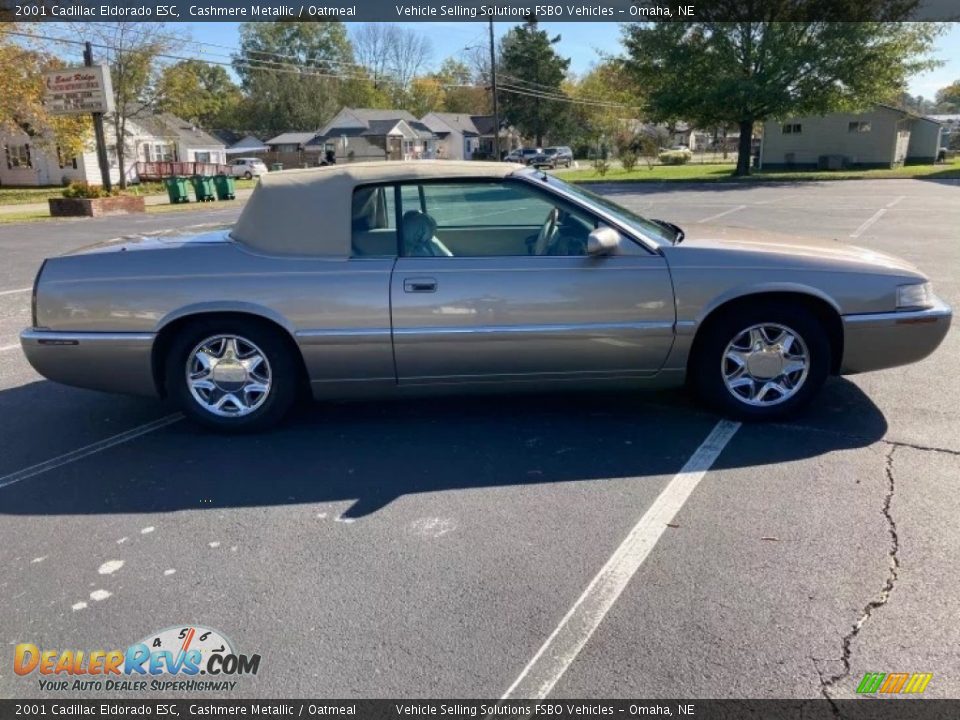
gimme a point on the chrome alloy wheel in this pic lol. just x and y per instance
(765, 364)
(228, 375)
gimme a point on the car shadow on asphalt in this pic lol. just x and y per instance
(372, 453)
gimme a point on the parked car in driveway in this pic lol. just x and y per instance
(248, 168)
(553, 157)
(522, 155)
(375, 279)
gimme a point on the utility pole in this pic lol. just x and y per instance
(493, 90)
(98, 129)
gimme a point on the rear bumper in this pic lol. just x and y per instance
(112, 362)
(883, 340)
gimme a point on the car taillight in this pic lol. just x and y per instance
(33, 295)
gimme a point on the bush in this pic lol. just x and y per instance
(628, 158)
(85, 190)
(675, 157)
(601, 166)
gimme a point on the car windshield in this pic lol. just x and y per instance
(551, 151)
(647, 228)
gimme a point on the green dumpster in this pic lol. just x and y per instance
(177, 190)
(276, 166)
(226, 187)
(203, 188)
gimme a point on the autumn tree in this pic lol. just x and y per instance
(605, 107)
(532, 74)
(21, 98)
(464, 90)
(795, 62)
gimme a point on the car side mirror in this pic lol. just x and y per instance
(603, 241)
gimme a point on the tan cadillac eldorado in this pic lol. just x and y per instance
(393, 277)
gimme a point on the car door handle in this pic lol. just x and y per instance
(420, 285)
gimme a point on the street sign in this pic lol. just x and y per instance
(79, 90)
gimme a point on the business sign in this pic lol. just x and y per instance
(74, 91)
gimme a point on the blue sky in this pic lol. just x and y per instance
(583, 43)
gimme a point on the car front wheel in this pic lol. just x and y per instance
(232, 375)
(248, 175)
(761, 363)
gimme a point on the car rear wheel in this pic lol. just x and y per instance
(232, 375)
(761, 363)
(248, 175)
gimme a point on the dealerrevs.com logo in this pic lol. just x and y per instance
(179, 658)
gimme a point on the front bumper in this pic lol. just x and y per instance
(112, 362)
(883, 340)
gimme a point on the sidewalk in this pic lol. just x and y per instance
(39, 207)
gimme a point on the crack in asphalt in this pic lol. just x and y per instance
(893, 574)
(855, 436)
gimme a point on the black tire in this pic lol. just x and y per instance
(282, 362)
(248, 175)
(706, 367)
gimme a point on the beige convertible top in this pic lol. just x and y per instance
(308, 212)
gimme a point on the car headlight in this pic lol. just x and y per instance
(910, 297)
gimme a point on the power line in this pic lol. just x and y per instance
(288, 68)
(236, 50)
(556, 97)
(309, 71)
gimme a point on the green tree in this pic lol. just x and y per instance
(948, 98)
(742, 73)
(318, 47)
(532, 75)
(294, 74)
(198, 91)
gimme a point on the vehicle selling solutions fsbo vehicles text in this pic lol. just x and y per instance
(462, 11)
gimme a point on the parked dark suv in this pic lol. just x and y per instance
(553, 157)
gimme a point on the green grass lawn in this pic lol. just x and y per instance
(27, 195)
(724, 173)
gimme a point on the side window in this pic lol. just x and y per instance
(374, 222)
(489, 219)
(411, 198)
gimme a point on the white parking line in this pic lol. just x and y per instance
(4, 348)
(88, 450)
(895, 201)
(721, 214)
(18, 290)
(565, 643)
(868, 222)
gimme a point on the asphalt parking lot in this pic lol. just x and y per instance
(430, 548)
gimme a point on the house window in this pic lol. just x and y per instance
(63, 162)
(792, 129)
(858, 127)
(159, 152)
(18, 156)
(202, 157)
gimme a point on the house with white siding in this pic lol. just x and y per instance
(462, 136)
(150, 138)
(882, 137)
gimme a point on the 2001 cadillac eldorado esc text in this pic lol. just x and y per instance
(376, 278)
